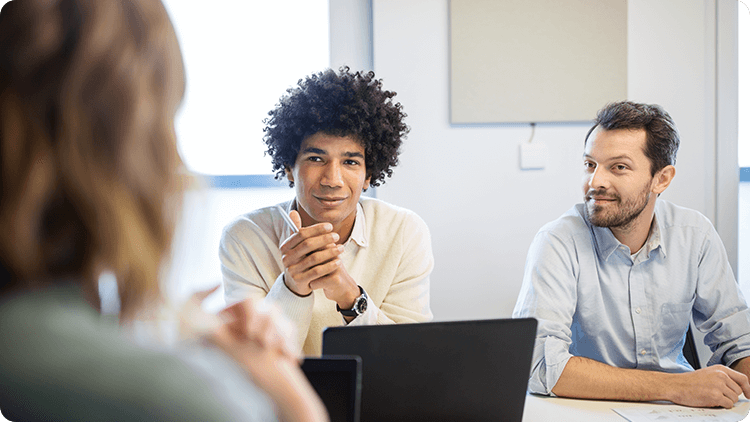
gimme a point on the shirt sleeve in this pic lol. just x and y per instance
(408, 298)
(720, 310)
(248, 265)
(549, 294)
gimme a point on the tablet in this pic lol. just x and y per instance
(338, 382)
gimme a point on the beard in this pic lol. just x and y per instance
(624, 212)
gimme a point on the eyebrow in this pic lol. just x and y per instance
(313, 150)
(619, 157)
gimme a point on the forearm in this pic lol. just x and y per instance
(589, 379)
(742, 365)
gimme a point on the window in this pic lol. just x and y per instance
(240, 57)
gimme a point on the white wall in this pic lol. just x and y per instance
(482, 210)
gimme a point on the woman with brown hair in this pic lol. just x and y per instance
(88, 94)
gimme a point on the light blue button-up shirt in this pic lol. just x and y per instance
(592, 299)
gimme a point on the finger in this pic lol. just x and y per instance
(320, 256)
(726, 403)
(269, 336)
(739, 378)
(307, 246)
(284, 340)
(258, 325)
(237, 317)
(300, 270)
(199, 296)
(294, 215)
(330, 280)
(247, 312)
(317, 277)
(288, 333)
(306, 233)
(736, 388)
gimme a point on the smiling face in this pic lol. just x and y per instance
(329, 175)
(618, 184)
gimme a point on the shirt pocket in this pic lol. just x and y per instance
(674, 322)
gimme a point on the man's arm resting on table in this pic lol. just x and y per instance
(742, 365)
(708, 387)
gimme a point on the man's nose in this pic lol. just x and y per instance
(598, 179)
(332, 176)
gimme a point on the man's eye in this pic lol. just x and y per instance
(589, 164)
(351, 162)
(314, 158)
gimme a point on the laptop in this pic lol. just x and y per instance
(440, 371)
(338, 382)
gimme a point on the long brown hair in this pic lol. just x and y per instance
(88, 93)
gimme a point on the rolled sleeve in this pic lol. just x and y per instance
(720, 309)
(548, 294)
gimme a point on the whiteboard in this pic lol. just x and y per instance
(515, 61)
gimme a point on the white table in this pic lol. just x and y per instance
(547, 409)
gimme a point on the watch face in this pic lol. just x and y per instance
(361, 305)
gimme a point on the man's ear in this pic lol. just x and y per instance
(289, 174)
(367, 183)
(662, 179)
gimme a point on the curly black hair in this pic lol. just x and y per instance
(340, 104)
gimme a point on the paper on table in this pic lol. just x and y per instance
(668, 413)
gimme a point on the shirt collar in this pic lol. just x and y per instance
(359, 231)
(654, 241)
(607, 243)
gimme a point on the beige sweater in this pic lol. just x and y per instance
(388, 253)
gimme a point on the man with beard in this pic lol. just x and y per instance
(615, 281)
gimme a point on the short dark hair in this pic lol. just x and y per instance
(339, 103)
(662, 138)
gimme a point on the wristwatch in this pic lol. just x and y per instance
(360, 305)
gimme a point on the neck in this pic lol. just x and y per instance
(344, 230)
(634, 234)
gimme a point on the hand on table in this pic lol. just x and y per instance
(311, 261)
(715, 386)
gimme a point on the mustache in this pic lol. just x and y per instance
(601, 194)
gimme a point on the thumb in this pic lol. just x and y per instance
(294, 215)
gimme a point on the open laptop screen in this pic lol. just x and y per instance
(440, 371)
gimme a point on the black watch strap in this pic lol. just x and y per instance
(360, 305)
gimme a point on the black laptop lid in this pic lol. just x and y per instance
(338, 382)
(440, 371)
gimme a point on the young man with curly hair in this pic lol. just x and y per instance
(354, 260)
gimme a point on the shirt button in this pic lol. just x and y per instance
(637, 310)
(643, 352)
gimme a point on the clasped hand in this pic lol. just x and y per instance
(311, 261)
